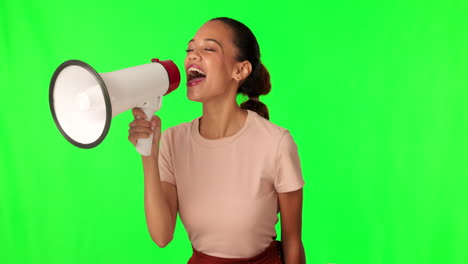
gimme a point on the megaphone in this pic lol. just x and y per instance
(83, 102)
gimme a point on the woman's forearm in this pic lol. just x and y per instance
(158, 217)
(293, 252)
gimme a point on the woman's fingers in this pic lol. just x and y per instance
(155, 121)
(140, 129)
(139, 122)
(137, 112)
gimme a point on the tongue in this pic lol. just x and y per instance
(197, 79)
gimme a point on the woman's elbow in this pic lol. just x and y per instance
(161, 241)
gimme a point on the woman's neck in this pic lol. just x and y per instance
(221, 120)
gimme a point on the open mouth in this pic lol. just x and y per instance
(195, 74)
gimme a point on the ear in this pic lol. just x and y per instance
(242, 71)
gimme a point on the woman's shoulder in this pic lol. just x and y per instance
(266, 128)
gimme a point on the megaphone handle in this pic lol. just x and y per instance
(144, 145)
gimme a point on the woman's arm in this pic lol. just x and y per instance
(160, 197)
(291, 226)
(160, 203)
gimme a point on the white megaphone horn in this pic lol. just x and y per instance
(83, 102)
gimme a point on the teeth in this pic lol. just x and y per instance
(191, 69)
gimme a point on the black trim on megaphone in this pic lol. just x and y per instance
(104, 92)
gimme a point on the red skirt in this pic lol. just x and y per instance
(271, 255)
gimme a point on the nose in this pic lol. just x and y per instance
(193, 55)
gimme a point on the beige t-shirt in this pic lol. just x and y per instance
(227, 188)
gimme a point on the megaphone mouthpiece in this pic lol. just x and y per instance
(172, 72)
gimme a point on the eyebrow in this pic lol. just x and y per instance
(208, 39)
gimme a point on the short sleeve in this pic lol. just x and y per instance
(288, 174)
(166, 170)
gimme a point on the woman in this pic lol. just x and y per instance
(229, 172)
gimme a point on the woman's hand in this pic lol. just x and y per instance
(140, 128)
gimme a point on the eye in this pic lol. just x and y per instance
(208, 49)
(188, 50)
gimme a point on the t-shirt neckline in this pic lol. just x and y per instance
(222, 141)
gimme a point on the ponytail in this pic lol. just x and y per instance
(258, 83)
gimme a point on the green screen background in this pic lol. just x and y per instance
(373, 92)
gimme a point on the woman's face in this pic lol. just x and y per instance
(210, 63)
